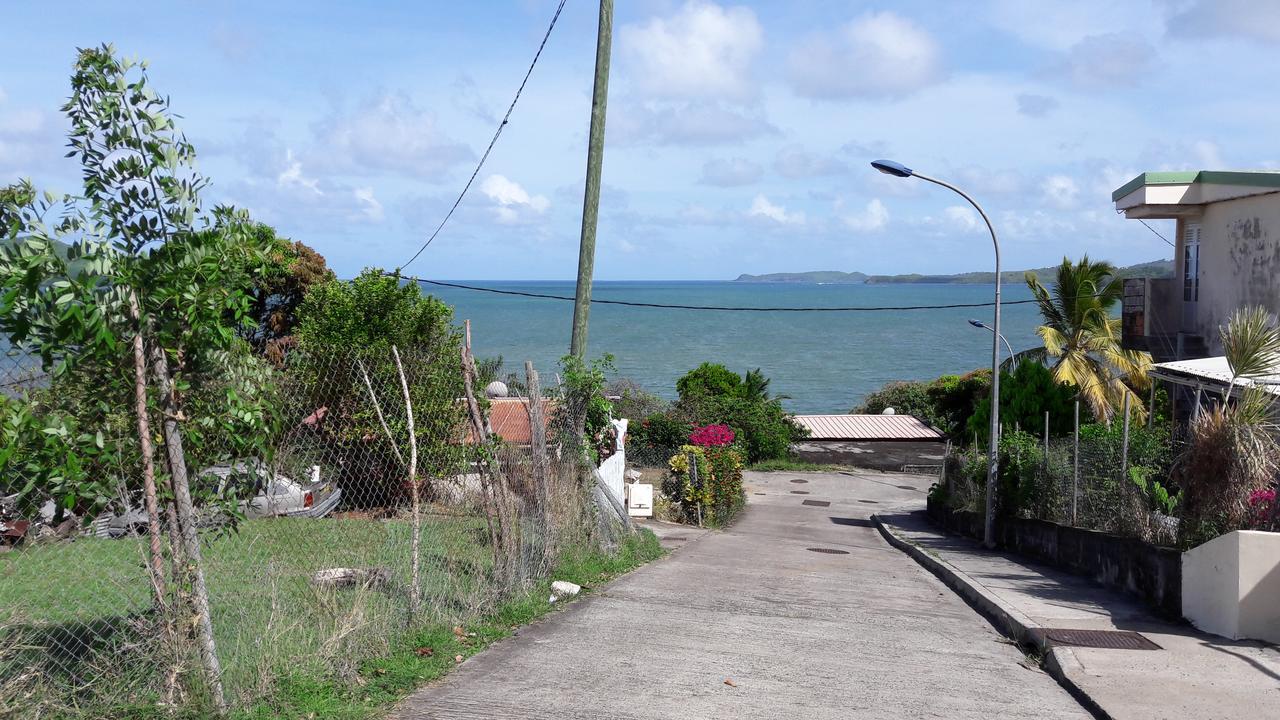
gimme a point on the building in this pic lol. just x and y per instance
(898, 443)
(1227, 256)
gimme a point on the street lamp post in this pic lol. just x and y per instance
(895, 169)
(1013, 360)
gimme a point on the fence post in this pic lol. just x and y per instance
(943, 480)
(538, 447)
(415, 589)
(693, 480)
(1075, 458)
(1124, 442)
(1046, 441)
(1151, 406)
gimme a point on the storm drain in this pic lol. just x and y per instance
(1109, 639)
(799, 492)
(828, 551)
(798, 481)
(816, 503)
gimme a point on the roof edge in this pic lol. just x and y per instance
(1254, 178)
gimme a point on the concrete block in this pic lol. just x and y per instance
(1231, 586)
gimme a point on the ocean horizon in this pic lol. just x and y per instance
(823, 362)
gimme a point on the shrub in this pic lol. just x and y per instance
(632, 401)
(906, 398)
(712, 436)
(708, 380)
(1025, 395)
(945, 403)
(716, 493)
(711, 394)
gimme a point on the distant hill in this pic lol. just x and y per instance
(818, 276)
(1155, 268)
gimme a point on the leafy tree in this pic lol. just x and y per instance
(289, 271)
(1026, 395)
(906, 398)
(1081, 335)
(708, 380)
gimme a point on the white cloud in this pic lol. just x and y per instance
(387, 134)
(372, 208)
(874, 217)
(1060, 191)
(1036, 106)
(794, 162)
(692, 123)
(282, 191)
(878, 55)
(730, 172)
(1106, 61)
(1252, 19)
(762, 208)
(703, 50)
(511, 203)
(962, 218)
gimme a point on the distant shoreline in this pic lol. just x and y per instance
(1155, 268)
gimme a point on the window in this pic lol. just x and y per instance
(1191, 264)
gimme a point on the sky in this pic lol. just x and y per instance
(738, 134)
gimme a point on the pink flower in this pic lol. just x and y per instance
(712, 436)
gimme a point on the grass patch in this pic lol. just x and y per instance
(431, 653)
(275, 632)
(793, 465)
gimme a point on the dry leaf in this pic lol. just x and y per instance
(457, 658)
(730, 682)
(425, 652)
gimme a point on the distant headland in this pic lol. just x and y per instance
(1155, 268)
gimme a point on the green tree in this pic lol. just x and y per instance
(1026, 395)
(708, 380)
(1081, 336)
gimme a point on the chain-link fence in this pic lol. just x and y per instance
(1110, 479)
(384, 497)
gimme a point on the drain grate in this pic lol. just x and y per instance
(828, 551)
(816, 503)
(1109, 639)
(799, 492)
(798, 481)
(870, 502)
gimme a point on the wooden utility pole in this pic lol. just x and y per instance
(591, 197)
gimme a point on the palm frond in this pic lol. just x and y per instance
(1251, 342)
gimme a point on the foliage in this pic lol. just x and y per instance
(1026, 395)
(1233, 448)
(653, 439)
(290, 270)
(1158, 496)
(946, 403)
(712, 436)
(1082, 334)
(1265, 512)
(633, 402)
(373, 312)
(713, 487)
(589, 411)
(708, 380)
(135, 231)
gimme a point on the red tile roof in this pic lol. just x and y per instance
(867, 427)
(509, 418)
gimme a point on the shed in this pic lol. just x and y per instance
(898, 443)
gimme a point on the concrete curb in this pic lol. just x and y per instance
(1059, 662)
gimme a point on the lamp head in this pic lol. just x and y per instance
(977, 323)
(889, 167)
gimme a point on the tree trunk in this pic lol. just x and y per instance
(156, 565)
(186, 521)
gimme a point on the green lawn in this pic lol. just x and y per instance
(81, 609)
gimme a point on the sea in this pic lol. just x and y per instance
(822, 362)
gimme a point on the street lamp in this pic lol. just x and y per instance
(1013, 359)
(896, 169)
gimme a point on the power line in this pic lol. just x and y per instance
(496, 134)
(1144, 224)
(718, 308)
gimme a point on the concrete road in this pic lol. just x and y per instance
(863, 632)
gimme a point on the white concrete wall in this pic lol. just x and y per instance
(1239, 262)
(1231, 586)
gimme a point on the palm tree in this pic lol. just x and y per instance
(1081, 336)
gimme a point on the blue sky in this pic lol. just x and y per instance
(738, 133)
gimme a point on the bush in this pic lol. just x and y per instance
(945, 403)
(708, 380)
(717, 492)
(1025, 395)
(906, 398)
(713, 395)
(633, 402)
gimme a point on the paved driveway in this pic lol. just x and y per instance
(864, 633)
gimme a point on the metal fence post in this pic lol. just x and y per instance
(1075, 475)
(693, 480)
(1124, 442)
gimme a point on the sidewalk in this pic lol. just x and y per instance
(1193, 675)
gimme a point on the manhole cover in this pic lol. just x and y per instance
(798, 481)
(799, 492)
(828, 551)
(870, 502)
(816, 503)
(1110, 639)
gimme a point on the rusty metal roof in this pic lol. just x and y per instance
(509, 418)
(867, 427)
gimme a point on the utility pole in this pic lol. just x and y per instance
(591, 197)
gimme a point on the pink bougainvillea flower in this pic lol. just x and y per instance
(712, 436)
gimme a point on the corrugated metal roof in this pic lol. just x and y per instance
(1211, 371)
(867, 427)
